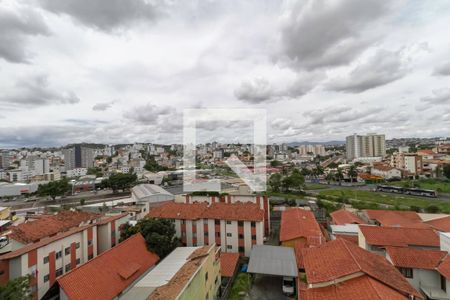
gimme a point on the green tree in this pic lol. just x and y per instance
(446, 171)
(295, 181)
(352, 173)
(339, 176)
(54, 188)
(275, 163)
(16, 289)
(432, 209)
(82, 201)
(152, 166)
(120, 181)
(275, 182)
(159, 234)
(95, 171)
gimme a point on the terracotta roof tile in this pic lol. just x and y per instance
(296, 223)
(223, 211)
(228, 263)
(340, 258)
(351, 238)
(441, 224)
(110, 273)
(360, 288)
(444, 267)
(343, 216)
(49, 225)
(399, 236)
(415, 258)
(397, 218)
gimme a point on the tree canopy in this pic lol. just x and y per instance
(120, 181)
(152, 166)
(159, 235)
(16, 289)
(54, 188)
(446, 171)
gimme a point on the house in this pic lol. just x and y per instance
(440, 224)
(186, 273)
(340, 270)
(347, 232)
(150, 195)
(108, 275)
(235, 227)
(376, 238)
(395, 218)
(300, 226)
(420, 268)
(343, 217)
(386, 172)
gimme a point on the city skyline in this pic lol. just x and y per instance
(116, 73)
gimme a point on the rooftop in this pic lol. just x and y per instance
(273, 260)
(399, 236)
(146, 190)
(343, 216)
(397, 218)
(415, 258)
(110, 273)
(228, 263)
(296, 223)
(441, 224)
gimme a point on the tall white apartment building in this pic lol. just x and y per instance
(370, 145)
(314, 149)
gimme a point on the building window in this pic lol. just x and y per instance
(46, 260)
(194, 234)
(229, 234)
(206, 233)
(240, 223)
(230, 247)
(2, 272)
(113, 233)
(67, 267)
(90, 256)
(254, 237)
(407, 272)
(229, 222)
(89, 243)
(443, 283)
(205, 221)
(58, 254)
(241, 249)
(183, 221)
(78, 261)
(217, 222)
(46, 278)
(218, 234)
(253, 224)
(67, 251)
(206, 277)
(241, 236)
(77, 245)
(59, 272)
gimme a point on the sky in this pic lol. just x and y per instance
(114, 71)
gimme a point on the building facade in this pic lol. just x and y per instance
(370, 145)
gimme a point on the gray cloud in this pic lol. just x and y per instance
(440, 96)
(255, 91)
(148, 114)
(15, 29)
(36, 91)
(329, 33)
(105, 15)
(380, 69)
(102, 106)
(442, 70)
(340, 114)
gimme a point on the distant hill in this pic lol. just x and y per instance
(296, 144)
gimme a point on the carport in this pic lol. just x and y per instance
(273, 260)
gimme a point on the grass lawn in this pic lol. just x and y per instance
(402, 201)
(242, 283)
(315, 186)
(429, 184)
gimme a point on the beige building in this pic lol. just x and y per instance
(370, 145)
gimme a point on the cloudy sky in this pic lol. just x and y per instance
(117, 71)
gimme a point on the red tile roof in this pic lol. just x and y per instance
(339, 258)
(444, 267)
(441, 224)
(49, 225)
(296, 223)
(228, 263)
(237, 211)
(415, 258)
(397, 218)
(110, 273)
(343, 216)
(359, 288)
(351, 238)
(399, 236)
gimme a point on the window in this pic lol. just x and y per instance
(183, 221)
(58, 254)
(217, 222)
(229, 222)
(194, 234)
(443, 283)
(230, 247)
(241, 236)
(254, 237)
(241, 249)
(229, 234)
(407, 272)
(206, 233)
(90, 256)
(46, 278)
(78, 261)
(206, 277)
(253, 224)
(240, 223)
(46, 260)
(205, 221)
(77, 245)
(68, 267)
(113, 233)
(89, 242)
(59, 272)
(218, 234)
(67, 251)
(2, 272)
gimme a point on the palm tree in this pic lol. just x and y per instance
(352, 172)
(339, 175)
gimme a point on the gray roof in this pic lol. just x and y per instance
(273, 260)
(146, 190)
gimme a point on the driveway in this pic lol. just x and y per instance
(267, 288)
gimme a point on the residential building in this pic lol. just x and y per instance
(344, 216)
(78, 157)
(311, 149)
(370, 145)
(412, 163)
(340, 270)
(108, 275)
(235, 227)
(186, 273)
(393, 218)
(300, 226)
(387, 172)
(151, 195)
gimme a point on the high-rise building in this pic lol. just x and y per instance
(5, 160)
(311, 149)
(78, 157)
(370, 145)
